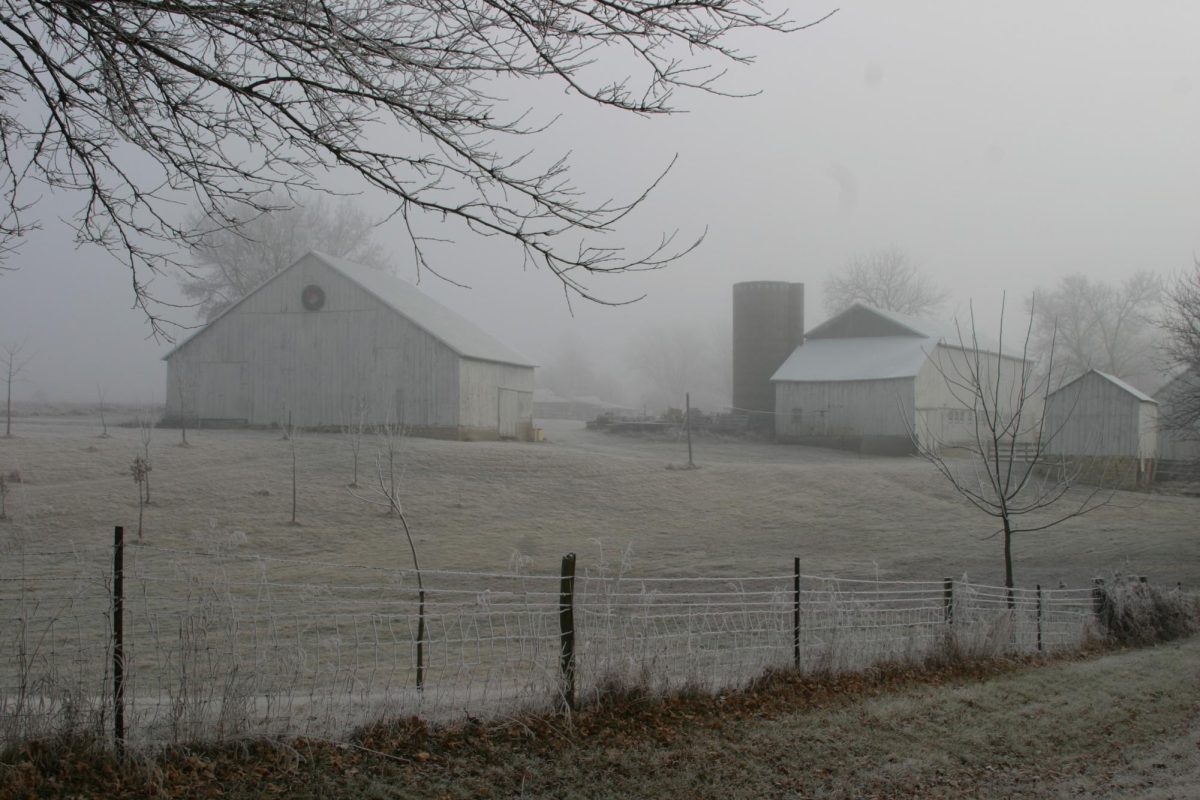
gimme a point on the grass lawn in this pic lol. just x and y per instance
(1119, 725)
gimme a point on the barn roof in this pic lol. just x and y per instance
(455, 331)
(864, 358)
(861, 358)
(1113, 379)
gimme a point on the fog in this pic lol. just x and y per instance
(1001, 147)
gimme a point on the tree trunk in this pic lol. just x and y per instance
(1008, 568)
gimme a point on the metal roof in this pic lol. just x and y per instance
(455, 331)
(867, 358)
(862, 358)
(1113, 379)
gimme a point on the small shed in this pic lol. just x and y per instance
(1103, 419)
(327, 339)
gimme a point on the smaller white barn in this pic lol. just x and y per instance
(1102, 418)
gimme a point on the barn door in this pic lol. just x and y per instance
(510, 413)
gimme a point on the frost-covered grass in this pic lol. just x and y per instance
(748, 510)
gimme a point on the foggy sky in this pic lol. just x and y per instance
(1000, 145)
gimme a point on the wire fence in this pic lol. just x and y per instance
(224, 643)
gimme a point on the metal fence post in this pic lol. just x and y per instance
(566, 626)
(796, 613)
(118, 637)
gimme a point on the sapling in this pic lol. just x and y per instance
(141, 476)
(145, 429)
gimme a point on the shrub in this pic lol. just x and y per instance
(1136, 614)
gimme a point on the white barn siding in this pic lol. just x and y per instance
(942, 414)
(872, 408)
(1093, 417)
(269, 356)
(482, 384)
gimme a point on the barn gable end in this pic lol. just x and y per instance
(269, 356)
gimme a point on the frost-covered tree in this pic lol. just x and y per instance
(886, 279)
(1092, 324)
(229, 261)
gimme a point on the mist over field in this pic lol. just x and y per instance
(1000, 148)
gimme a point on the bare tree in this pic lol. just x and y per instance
(885, 279)
(1102, 326)
(230, 260)
(389, 437)
(290, 436)
(1008, 472)
(13, 364)
(353, 428)
(126, 103)
(141, 476)
(100, 395)
(145, 432)
(672, 359)
(1181, 325)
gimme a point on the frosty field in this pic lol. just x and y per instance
(748, 510)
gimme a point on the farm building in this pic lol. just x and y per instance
(871, 380)
(1108, 423)
(325, 337)
(1178, 434)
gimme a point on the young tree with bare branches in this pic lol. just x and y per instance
(1007, 472)
(353, 428)
(886, 279)
(12, 364)
(128, 103)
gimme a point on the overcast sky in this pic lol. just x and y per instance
(1000, 145)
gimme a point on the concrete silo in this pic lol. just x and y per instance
(768, 324)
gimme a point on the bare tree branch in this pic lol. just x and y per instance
(130, 105)
(885, 279)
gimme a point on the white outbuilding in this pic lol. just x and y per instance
(1101, 418)
(325, 338)
(877, 381)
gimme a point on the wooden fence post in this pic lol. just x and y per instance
(566, 626)
(948, 600)
(1039, 617)
(796, 613)
(1098, 596)
(118, 638)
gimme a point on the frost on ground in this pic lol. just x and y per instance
(749, 510)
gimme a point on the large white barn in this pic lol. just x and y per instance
(872, 380)
(325, 337)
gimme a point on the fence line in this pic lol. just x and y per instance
(228, 643)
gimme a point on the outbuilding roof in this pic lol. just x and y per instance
(451, 328)
(1113, 379)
